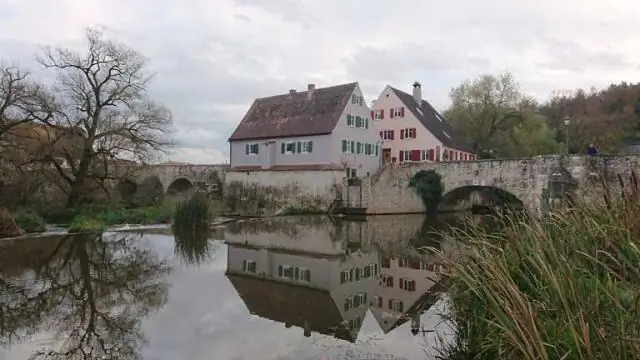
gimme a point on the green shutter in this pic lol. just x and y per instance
(246, 149)
(298, 147)
(377, 150)
(310, 146)
(349, 120)
(282, 147)
(344, 146)
(366, 123)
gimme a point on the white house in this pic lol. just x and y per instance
(413, 131)
(324, 128)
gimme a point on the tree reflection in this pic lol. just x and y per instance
(90, 291)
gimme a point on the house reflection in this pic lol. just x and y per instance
(323, 276)
(301, 273)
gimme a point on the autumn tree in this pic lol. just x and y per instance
(103, 116)
(487, 111)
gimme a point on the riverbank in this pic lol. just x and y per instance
(566, 286)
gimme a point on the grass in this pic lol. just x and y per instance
(85, 224)
(563, 287)
(111, 215)
(192, 227)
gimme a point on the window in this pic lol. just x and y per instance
(387, 281)
(403, 263)
(288, 148)
(386, 135)
(358, 100)
(345, 146)
(377, 301)
(396, 112)
(361, 299)
(302, 274)
(346, 276)
(439, 117)
(352, 146)
(396, 305)
(285, 271)
(377, 114)
(409, 133)
(359, 122)
(424, 155)
(251, 149)
(408, 285)
(355, 324)
(373, 269)
(350, 120)
(445, 134)
(405, 155)
(348, 303)
(249, 266)
(358, 147)
(307, 147)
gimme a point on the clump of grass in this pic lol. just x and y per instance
(566, 286)
(8, 226)
(192, 228)
(29, 221)
(85, 224)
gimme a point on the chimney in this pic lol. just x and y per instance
(292, 91)
(310, 89)
(417, 92)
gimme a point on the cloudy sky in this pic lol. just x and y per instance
(213, 57)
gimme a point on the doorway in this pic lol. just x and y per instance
(386, 156)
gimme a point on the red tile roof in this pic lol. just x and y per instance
(294, 114)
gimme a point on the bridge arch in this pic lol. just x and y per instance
(479, 196)
(150, 190)
(179, 186)
(127, 190)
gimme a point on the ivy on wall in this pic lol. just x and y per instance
(428, 185)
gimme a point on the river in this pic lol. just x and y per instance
(285, 288)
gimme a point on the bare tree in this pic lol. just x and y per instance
(103, 115)
(19, 98)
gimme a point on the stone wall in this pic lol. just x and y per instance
(267, 192)
(387, 192)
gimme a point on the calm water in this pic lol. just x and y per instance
(292, 288)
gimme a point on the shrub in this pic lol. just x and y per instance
(8, 226)
(85, 224)
(563, 287)
(29, 221)
(428, 184)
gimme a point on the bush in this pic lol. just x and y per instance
(8, 226)
(85, 224)
(563, 287)
(29, 221)
(428, 184)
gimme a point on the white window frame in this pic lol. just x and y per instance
(397, 112)
(395, 305)
(251, 147)
(377, 114)
(286, 146)
(246, 264)
(305, 147)
(386, 134)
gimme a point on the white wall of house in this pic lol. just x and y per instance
(356, 127)
(424, 140)
(282, 151)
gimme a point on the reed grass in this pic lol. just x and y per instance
(192, 228)
(566, 286)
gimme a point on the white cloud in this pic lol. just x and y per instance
(212, 58)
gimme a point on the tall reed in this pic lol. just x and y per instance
(566, 286)
(192, 228)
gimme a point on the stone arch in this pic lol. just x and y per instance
(150, 190)
(179, 187)
(473, 197)
(127, 190)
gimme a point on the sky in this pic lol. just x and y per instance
(212, 58)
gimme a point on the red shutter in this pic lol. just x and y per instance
(381, 114)
(450, 155)
(401, 158)
(413, 133)
(393, 134)
(391, 113)
(431, 154)
(372, 115)
(415, 155)
(401, 134)
(381, 133)
(402, 111)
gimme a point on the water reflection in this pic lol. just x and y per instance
(324, 275)
(88, 292)
(193, 244)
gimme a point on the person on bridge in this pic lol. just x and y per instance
(592, 150)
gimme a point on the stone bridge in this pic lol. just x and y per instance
(533, 181)
(169, 179)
